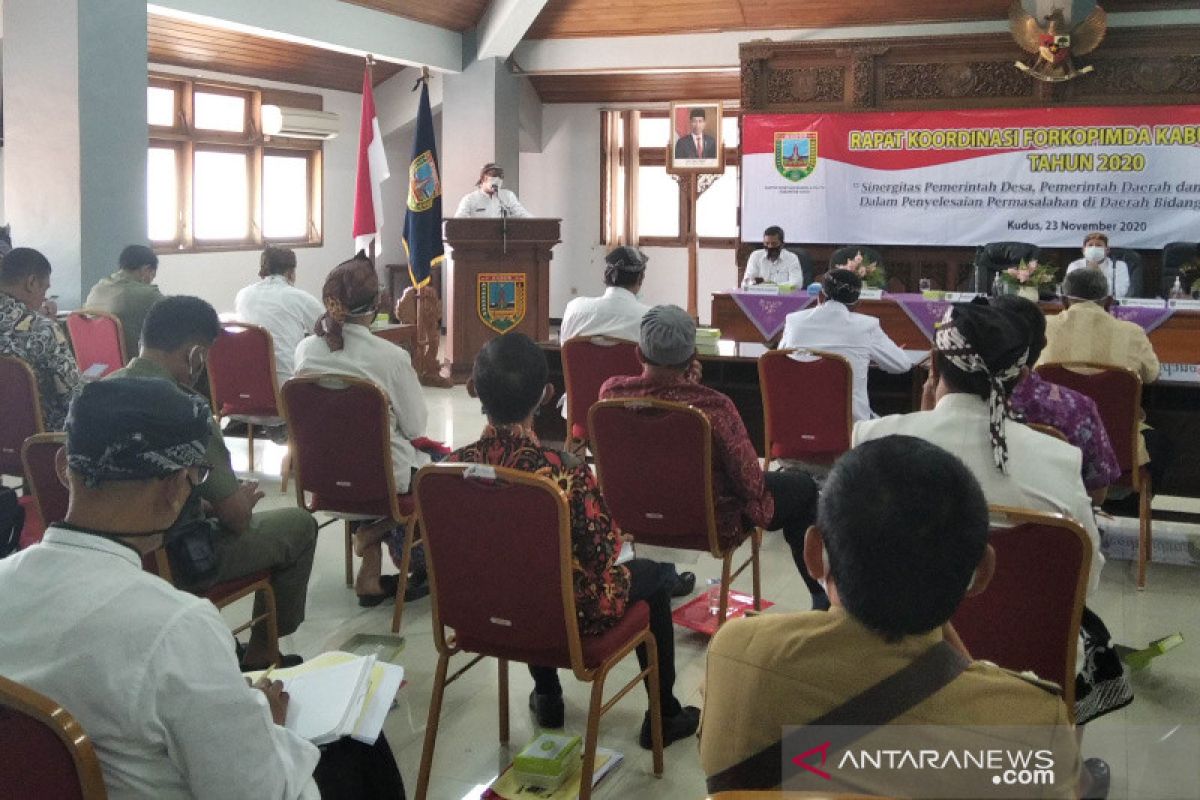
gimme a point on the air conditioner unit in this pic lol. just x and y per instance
(300, 123)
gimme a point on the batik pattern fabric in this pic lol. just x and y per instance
(40, 342)
(601, 586)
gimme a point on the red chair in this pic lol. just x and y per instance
(1118, 395)
(46, 751)
(1028, 617)
(587, 363)
(807, 398)
(98, 341)
(41, 475)
(21, 410)
(325, 413)
(637, 442)
(241, 377)
(500, 576)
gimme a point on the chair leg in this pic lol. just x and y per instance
(286, 471)
(272, 623)
(592, 734)
(502, 675)
(250, 443)
(1145, 543)
(410, 536)
(349, 555)
(723, 606)
(431, 725)
(656, 739)
(755, 571)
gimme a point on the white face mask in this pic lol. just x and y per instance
(1093, 253)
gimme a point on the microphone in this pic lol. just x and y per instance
(503, 227)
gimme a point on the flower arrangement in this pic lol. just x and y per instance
(1029, 273)
(871, 273)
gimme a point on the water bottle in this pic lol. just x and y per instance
(1176, 292)
(997, 286)
(714, 596)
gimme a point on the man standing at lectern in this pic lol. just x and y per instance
(488, 199)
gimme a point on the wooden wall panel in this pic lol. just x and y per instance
(183, 43)
(457, 15)
(636, 87)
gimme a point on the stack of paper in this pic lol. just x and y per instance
(338, 694)
(507, 787)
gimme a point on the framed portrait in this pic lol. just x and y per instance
(696, 144)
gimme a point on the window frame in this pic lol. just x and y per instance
(186, 139)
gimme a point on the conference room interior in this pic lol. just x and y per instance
(107, 153)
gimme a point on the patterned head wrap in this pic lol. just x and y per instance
(133, 429)
(842, 285)
(351, 289)
(976, 338)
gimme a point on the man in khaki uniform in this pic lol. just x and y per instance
(896, 569)
(128, 293)
(177, 336)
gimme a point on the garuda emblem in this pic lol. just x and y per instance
(1053, 40)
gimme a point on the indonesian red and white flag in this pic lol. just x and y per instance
(372, 171)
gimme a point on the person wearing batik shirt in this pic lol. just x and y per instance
(1072, 413)
(510, 378)
(744, 494)
(29, 332)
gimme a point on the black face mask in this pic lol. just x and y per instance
(773, 252)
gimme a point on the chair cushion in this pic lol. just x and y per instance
(595, 648)
(366, 508)
(220, 591)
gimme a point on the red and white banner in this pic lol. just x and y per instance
(372, 171)
(1045, 176)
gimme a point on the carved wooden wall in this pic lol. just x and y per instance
(1134, 66)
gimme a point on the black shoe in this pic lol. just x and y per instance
(548, 709)
(416, 589)
(289, 660)
(680, 726)
(1097, 768)
(685, 585)
(386, 582)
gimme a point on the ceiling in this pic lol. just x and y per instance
(457, 15)
(182, 43)
(577, 18)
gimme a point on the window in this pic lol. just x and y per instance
(215, 182)
(664, 209)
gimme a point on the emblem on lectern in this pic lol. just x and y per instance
(501, 299)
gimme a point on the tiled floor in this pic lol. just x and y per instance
(1153, 745)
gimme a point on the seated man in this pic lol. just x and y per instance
(896, 569)
(510, 377)
(1096, 257)
(148, 670)
(773, 263)
(744, 494)
(1066, 410)
(275, 303)
(979, 354)
(617, 313)
(28, 331)
(128, 293)
(218, 536)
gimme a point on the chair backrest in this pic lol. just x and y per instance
(474, 517)
(98, 340)
(588, 361)
(995, 256)
(817, 429)
(46, 751)
(37, 456)
(637, 443)
(241, 372)
(21, 410)
(1049, 430)
(1028, 617)
(847, 253)
(1117, 393)
(1174, 256)
(1133, 260)
(341, 445)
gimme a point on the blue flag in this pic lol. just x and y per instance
(423, 217)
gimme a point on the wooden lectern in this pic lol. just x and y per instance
(498, 281)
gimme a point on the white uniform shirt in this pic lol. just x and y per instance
(389, 367)
(1117, 274)
(1043, 473)
(785, 269)
(481, 204)
(616, 313)
(833, 327)
(148, 671)
(288, 313)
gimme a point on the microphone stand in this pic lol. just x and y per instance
(503, 229)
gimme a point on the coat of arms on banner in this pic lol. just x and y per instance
(796, 154)
(501, 299)
(423, 184)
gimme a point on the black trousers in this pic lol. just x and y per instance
(652, 582)
(350, 770)
(795, 495)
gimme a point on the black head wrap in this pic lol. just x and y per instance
(842, 285)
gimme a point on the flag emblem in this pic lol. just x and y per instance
(423, 184)
(796, 154)
(501, 299)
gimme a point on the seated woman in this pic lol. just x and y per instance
(831, 326)
(344, 345)
(276, 304)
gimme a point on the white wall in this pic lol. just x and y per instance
(563, 180)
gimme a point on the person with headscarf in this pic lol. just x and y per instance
(618, 312)
(489, 200)
(344, 345)
(832, 327)
(979, 355)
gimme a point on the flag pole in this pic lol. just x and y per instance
(370, 66)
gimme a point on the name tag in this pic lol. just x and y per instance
(1144, 302)
(1184, 305)
(959, 297)
(870, 294)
